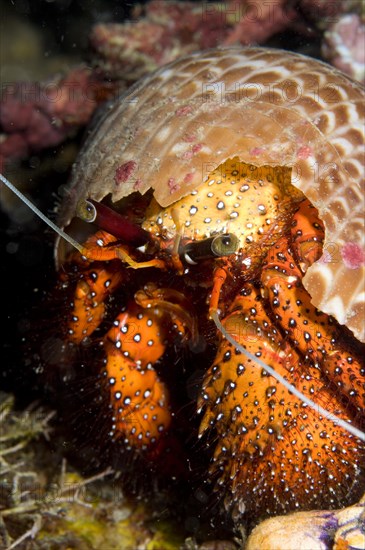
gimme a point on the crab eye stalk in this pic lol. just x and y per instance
(105, 218)
(213, 247)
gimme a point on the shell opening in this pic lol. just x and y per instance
(320, 410)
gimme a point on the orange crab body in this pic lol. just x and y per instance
(258, 289)
(238, 237)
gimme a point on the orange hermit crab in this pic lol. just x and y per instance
(229, 183)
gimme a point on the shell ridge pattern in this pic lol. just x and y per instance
(112, 114)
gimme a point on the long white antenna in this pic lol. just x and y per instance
(320, 410)
(40, 214)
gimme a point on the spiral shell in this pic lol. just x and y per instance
(271, 107)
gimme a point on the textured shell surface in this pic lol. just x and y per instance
(268, 107)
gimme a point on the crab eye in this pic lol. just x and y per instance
(86, 211)
(224, 245)
(214, 247)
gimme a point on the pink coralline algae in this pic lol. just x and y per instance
(183, 111)
(173, 185)
(163, 32)
(304, 152)
(34, 116)
(353, 255)
(344, 46)
(167, 30)
(257, 151)
(258, 21)
(124, 171)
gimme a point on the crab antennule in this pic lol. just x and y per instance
(40, 214)
(345, 425)
(112, 222)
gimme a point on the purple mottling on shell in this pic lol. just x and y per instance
(124, 172)
(328, 530)
(353, 255)
(173, 185)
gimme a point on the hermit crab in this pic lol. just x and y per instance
(226, 205)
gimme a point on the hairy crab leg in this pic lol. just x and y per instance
(304, 398)
(140, 400)
(95, 283)
(315, 334)
(258, 420)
